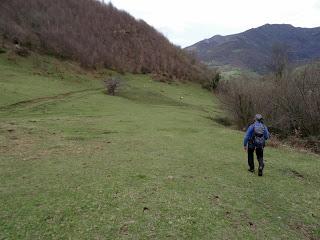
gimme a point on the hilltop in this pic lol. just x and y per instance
(252, 49)
(97, 35)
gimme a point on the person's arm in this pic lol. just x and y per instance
(247, 136)
(266, 133)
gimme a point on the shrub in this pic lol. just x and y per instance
(213, 81)
(112, 85)
(21, 51)
(238, 98)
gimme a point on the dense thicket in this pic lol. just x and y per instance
(290, 102)
(96, 35)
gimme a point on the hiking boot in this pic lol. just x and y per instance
(251, 170)
(260, 172)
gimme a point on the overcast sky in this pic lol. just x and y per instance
(187, 22)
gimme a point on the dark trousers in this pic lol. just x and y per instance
(259, 153)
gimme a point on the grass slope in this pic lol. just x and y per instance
(78, 164)
(229, 72)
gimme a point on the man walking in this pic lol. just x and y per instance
(254, 140)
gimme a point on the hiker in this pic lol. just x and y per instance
(254, 140)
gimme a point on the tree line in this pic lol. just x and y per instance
(288, 98)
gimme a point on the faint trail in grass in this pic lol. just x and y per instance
(150, 97)
(43, 99)
(154, 98)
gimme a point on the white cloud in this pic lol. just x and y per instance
(186, 22)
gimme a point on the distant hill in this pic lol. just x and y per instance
(252, 49)
(96, 35)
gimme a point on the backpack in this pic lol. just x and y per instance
(258, 135)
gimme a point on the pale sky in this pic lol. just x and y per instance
(187, 22)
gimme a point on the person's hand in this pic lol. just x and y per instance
(245, 148)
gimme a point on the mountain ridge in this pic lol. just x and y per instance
(252, 48)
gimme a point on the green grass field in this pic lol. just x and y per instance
(229, 72)
(78, 164)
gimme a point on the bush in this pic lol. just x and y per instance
(112, 85)
(290, 104)
(213, 81)
(239, 98)
(21, 51)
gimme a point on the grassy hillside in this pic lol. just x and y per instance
(78, 164)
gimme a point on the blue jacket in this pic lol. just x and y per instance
(249, 134)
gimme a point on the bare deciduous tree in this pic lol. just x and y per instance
(112, 85)
(279, 60)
